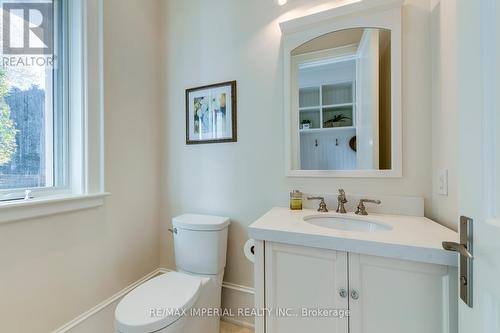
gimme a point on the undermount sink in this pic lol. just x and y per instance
(346, 223)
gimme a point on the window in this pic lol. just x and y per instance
(33, 95)
(51, 134)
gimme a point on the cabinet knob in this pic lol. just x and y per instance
(343, 293)
(354, 294)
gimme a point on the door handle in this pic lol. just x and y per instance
(456, 247)
(465, 248)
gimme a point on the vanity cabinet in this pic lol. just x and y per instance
(399, 296)
(382, 295)
(299, 278)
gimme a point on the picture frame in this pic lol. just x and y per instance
(211, 113)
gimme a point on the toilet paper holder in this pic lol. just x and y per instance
(249, 250)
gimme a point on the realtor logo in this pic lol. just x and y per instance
(28, 28)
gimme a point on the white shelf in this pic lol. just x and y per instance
(319, 107)
(328, 129)
(343, 105)
(326, 111)
(310, 109)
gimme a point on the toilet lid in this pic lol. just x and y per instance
(157, 303)
(199, 222)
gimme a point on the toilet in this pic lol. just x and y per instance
(185, 300)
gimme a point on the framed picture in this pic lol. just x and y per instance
(211, 113)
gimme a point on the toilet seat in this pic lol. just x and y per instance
(157, 303)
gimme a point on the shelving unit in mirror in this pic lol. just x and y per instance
(328, 105)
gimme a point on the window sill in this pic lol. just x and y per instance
(22, 210)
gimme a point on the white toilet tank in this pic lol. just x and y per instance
(200, 243)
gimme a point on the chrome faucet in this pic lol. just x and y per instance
(361, 206)
(341, 200)
(322, 205)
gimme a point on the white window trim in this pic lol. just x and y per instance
(21, 210)
(86, 126)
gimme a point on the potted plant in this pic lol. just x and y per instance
(336, 121)
(306, 124)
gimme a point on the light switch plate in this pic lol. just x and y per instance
(442, 182)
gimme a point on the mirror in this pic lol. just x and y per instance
(341, 101)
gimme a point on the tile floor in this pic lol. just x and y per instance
(226, 327)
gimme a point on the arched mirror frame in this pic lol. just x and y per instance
(384, 14)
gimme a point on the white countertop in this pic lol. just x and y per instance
(411, 238)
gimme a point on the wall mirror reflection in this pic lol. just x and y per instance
(341, 101)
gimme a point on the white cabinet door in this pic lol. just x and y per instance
(397, 296)
(299, 278)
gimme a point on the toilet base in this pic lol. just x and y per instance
(203, 317)
(176, 327)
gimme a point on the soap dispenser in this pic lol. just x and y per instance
(296, 200)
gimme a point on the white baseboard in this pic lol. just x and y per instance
(101, 306)
(237, 322)
(238, 287)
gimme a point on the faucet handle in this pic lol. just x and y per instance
(342, 197)
(377, 202)
(322, 205)
(341, 200)
(361, 206)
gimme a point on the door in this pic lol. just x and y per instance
(299, 279)
(367, 101)
(395, 296)
(479, 156)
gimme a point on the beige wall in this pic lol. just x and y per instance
(445, 108)
(54, 268)
(213, 41)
